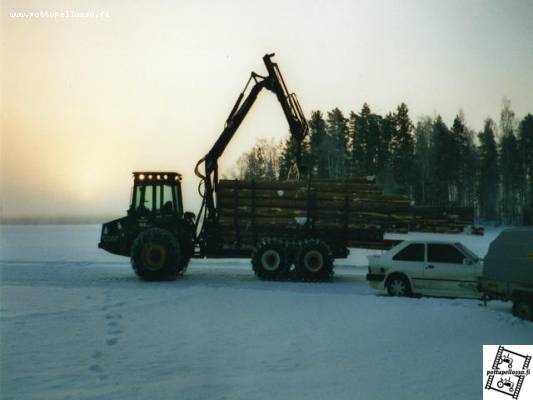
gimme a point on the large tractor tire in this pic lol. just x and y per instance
(156, 256)
(270, 260)
(314, 261)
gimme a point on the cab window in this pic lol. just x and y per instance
(413, 252)
(168, 203)
(159, 198)
(158, 203)
(144, 198)
(178, 201)
(137, 197)
(444, 253)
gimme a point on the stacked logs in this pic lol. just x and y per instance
(355, 209)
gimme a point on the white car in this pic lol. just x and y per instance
(426, 268)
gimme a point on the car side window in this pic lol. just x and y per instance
(413, 252)
(444, 253)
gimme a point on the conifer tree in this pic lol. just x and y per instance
(318, 160)
(488, 172)
(374, 144)
(337, 131)
(525, 141)
(359, 131)
(511, 178)
(470, 171)
(442, 171)
(422, 159)
(402, 150)
(511, 174)
(460, 158)
(384, 156)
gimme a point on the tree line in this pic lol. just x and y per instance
(434, 164)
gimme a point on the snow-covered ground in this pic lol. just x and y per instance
(77, 324)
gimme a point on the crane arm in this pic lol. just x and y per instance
(291, 108)
(234, 120)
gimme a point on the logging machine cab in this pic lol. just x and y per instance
(157, 194)
(156, 200)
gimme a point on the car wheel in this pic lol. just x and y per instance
(398, 285)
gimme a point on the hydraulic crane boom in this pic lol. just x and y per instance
(291, 108)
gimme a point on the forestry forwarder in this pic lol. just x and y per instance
(161, 238)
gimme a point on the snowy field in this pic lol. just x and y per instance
(77, 324)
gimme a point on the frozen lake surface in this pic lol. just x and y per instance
(77, 324)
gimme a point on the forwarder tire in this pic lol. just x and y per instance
(156, 256)
(314, 261)
(270, 260)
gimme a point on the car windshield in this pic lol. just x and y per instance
(467, 251)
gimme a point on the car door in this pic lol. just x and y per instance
(410, 261)
(449, 272)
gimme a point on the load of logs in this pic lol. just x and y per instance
(354, 209)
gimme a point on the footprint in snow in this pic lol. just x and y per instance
(97, 354)
(111, 342)
(113, 315)
(96, 368)
(108, 306)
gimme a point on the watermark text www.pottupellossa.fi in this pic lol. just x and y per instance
(45, 14)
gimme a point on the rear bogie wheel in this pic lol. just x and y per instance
(156, 256)
(314, 261)
(270, 260)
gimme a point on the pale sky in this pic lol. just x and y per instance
(148, 86)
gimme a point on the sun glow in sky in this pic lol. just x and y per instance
(86, 101)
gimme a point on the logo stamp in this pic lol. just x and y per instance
(506, 371)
